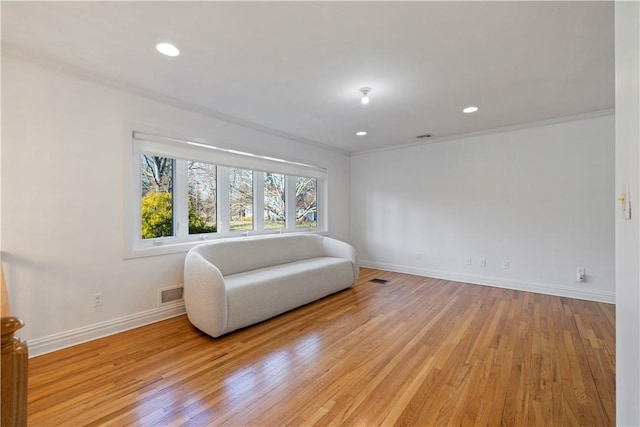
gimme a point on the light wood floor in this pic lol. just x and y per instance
(416, 351)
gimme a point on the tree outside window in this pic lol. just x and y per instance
(306, 202)
(274, 201)
(157, 196)
(240, 199)
(181, 201)
(202, 182)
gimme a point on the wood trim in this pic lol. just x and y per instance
(14, 359)
(13, 365)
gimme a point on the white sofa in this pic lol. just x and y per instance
(235, 283)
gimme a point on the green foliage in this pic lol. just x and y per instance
(157, 215)
(198, 223)
(305, 223)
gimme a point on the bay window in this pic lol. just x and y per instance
(183, 192)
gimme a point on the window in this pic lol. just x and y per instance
(184, 192)
(156, 206)
(306, 207)
(202, 179)
(240, 199)
(274, 197)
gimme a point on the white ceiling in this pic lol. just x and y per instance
(296, 67)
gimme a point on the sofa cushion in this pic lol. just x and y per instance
(248, 254)
(254, 296)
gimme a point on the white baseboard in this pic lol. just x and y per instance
(40, 346)
(539, 288)
(44, 345)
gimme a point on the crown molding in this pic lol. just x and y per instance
(64, 67)
(510, 128)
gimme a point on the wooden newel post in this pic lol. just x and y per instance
(14, 374)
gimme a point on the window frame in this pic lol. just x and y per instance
(183, 151)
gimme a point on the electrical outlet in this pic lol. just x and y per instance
(467, 260)
(418, 256)
(506, 264)
(483, 262)
(97, 300)
(580, 274)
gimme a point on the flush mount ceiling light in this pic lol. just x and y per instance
(365, 95)
(361, 133)
(167, 49)
(471, 109)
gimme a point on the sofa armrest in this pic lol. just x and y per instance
(205, 295)
(339, 249)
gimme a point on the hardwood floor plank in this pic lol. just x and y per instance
(415, 351)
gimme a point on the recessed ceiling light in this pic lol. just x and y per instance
(167, 49)
(470, 109)
(361, 133)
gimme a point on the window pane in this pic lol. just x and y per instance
(240, 200)
(274, 211)
(202, 197)
(157, 196)
(306, 202)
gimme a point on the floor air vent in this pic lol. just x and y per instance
(380, 281)
(170, 295)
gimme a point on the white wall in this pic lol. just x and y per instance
(627, 37)
(63, 200)
(539, 197)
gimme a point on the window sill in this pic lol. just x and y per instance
(159, 249)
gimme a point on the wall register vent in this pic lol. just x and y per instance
(170, 295)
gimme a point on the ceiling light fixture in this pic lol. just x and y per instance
(167, 49)
(361, 133)
(471, 109)
(365, 95)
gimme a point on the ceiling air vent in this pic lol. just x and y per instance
(170, 295)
